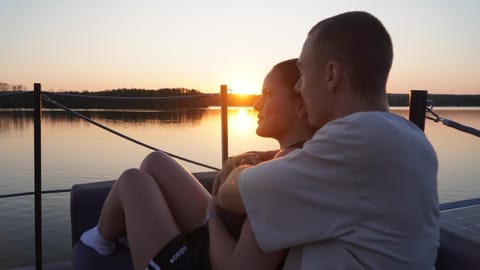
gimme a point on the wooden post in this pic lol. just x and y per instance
(224, 117)
(37, 135)
(418, 104)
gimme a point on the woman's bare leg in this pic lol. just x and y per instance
(138, 204)
(185, 195)
(111, 223)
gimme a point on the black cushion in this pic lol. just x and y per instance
(87, 258)
(86, 202)
(457, 252)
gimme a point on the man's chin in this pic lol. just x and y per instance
(315, 124)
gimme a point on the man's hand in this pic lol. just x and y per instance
(229, 194)
(250, 158)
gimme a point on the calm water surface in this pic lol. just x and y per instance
(74, 151)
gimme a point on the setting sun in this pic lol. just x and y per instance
(243, 86)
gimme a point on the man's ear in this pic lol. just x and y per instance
(334, 74)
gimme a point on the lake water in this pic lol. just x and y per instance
(74, 151)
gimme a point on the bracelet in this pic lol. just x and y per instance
(208, 217)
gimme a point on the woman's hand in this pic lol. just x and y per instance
(251, 158)
(213, 210)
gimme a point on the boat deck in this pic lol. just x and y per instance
(463, 221)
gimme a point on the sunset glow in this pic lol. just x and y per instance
(109, 44)
(244, 86)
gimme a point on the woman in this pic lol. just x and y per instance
(161, 206)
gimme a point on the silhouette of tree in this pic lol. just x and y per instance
(4, 86)
(13, 87)
(19, 87)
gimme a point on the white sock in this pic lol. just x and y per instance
(92, 238)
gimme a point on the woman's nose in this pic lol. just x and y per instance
(258, 103)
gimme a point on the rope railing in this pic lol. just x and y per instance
(48, 99)
(447, 122)
(33, 193)
(38, 97)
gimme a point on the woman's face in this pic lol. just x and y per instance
(277, 108)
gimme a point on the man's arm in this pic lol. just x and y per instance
(229, 193)
(226, 253)
(251, 157)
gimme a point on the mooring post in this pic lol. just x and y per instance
(418, 104)
(224, 117)
(37, 135)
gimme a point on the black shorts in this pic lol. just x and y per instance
(184, 252)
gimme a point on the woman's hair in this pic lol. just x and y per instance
(290, 74)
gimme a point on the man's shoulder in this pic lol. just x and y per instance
(371, 124)
(370, 131)
(365, 119)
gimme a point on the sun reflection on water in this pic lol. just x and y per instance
(240, 121)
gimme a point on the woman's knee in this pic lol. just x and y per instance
(130, 177)
(154, 160)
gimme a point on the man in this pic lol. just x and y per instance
(362, 193)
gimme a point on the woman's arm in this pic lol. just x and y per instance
(226, 253)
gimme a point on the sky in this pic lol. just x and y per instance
(109, 44)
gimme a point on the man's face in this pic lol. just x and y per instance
(313, 84)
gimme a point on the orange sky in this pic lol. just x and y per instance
(97, 45)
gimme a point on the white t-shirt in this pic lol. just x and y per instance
(361, 194)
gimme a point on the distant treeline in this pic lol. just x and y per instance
(12, 87)
(179, 98)
(126, 99)
(442, 100)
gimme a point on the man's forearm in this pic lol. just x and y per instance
(222, 245)
(227, 253)
(229, 193)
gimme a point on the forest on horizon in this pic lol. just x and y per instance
(179, 98)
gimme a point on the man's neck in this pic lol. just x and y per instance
(351, 103)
